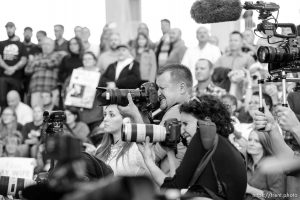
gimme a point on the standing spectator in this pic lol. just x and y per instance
(125, 73)
(178, 47)
(44, 70)
(23, 111)
(123, 157)
(203, 71)
(203, 50)
(142, 28)
(164, 46)
(93, 116)
(9, 124)
(40, 36)
(78, 31)
(74, 126)
(88, 47)
(235, 58)
(71, 61)
(259, 184)
(238, 61)
(61, 44)
(31, 48)
(110, 56)
(146, 57)
(105, 37)
(12, 60)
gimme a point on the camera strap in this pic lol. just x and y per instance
(204, 162)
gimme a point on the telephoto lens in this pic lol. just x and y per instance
(139, 132)
(12, 186)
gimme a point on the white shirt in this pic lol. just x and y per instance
(130, 164)
(24, 113)
(121, 65)
(193, 54)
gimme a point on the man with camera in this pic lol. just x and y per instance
(174, 88)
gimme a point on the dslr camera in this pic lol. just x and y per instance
(285, 57)
(168, 135)
(146, 97)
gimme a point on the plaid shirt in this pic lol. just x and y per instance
(44, 70)
(210, 89)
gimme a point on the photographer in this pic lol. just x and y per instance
(174, 88)
(223, 176)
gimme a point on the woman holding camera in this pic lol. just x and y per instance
(123, 157)
(212, 167)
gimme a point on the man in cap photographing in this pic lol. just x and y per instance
(12, 60)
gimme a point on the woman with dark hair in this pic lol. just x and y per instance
(212, 167)
(146, 57)
(123, 157)
(259, 184)
(71, 61)
(74, 126)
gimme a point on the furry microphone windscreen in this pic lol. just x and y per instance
(214, 11)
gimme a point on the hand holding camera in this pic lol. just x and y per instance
(287, 119)
(263, 121)
(236, 75)
(145, 149)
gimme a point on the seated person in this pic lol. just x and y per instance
(259, 184)
(123, 157)
(74, 126)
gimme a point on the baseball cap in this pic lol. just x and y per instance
(10, 24)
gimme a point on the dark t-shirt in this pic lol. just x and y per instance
(32, 49)
(11, 53)
(28, 127)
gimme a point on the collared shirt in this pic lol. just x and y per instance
(193, 54)
(210, 89)
(269, 183)
(239, 61)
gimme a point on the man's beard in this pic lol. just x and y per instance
(27, 40)
(11, 36)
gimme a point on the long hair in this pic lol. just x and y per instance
(264, 140)
(209, 106)
(104, 152)
(4, 129)
(79, 42)
(136, 45)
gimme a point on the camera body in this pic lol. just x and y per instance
(168, 135)
(146, 97)
(285, 57)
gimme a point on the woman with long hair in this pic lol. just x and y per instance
(146, 57)
(123, 157)
(71, 61)
(9, 124)
(259, 184)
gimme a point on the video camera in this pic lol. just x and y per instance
(146, 97)
(286, 57)
(169, 134)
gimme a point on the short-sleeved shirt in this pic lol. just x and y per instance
(11, 53)
(240, 61)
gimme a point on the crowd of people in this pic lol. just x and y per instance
(229, 149)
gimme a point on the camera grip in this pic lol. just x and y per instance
(261, 109)
(208, 131)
